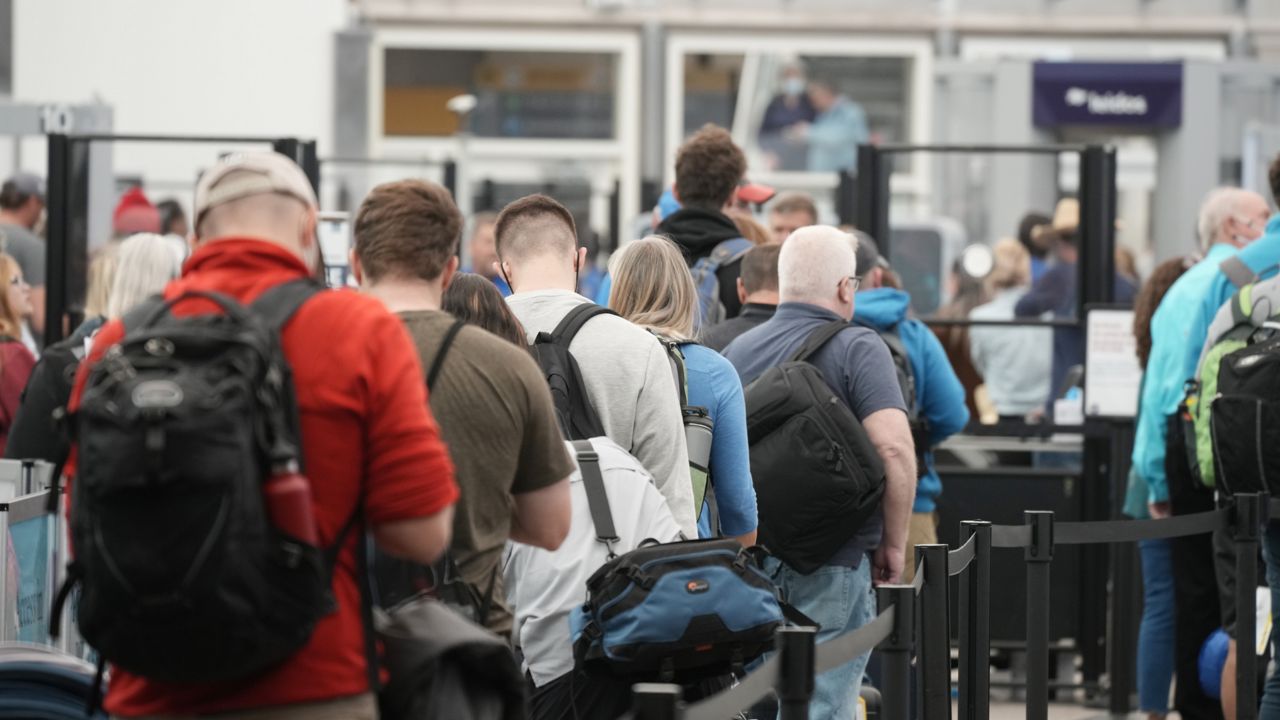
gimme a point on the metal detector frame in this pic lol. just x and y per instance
(67, 246)
(1106, 441)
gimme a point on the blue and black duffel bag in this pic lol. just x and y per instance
(671, 612)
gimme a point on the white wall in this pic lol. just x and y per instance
(202, 67)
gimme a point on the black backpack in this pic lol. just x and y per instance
(818, 478)
(183, 576)
(578, 419)
(1245, 425)
(918, 423)
(36, 432)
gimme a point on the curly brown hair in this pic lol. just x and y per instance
(709, 167)
(1149, 297)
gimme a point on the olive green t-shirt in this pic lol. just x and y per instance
(495, 413)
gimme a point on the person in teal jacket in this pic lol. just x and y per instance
(1230, 219)
(939, 393)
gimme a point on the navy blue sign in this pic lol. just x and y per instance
(1142, 94)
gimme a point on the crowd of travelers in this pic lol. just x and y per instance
(738, 416)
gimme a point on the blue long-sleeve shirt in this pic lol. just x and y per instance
(939, 393)
(714, 385)
(1178, 331)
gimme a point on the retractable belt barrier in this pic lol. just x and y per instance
(912, 623)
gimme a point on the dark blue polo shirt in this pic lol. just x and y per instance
(856, 365)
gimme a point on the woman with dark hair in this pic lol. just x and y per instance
(474, 300)
(1156, 633)
(16, 361)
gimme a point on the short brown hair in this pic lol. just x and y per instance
(407, 229)
(795, 202)
(709, 167)
(760, 268)
(534, 224)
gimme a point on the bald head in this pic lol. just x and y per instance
(1232, 215)
(281, 219)
(815, 267)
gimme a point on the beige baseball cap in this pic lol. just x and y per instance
(240, 175)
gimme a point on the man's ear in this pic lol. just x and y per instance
(742, 292)
(357, 270)
(450, 270)
(580, 260)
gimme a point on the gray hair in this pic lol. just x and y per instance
(813, 262)
(1219, 205)
(145, 263)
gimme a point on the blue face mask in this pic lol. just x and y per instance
(793, 86)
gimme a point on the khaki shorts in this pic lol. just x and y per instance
(922, 529)
(356, 707)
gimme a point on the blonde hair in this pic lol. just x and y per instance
(750, 229)
(652, 287)
(102, 273)
(145, 263)
(1011, 265)
(10, 320)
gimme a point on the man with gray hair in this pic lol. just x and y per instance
(818, 277)
(1231, 216)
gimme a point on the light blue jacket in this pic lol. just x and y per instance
(1178, 331)
(714, 385)
(835, 134)
(939, 392)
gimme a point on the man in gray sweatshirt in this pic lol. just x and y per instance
(625, 371)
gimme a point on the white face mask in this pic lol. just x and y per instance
(793, 86)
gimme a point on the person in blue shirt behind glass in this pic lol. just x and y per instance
(652, 288)
(1230, 219)
(836, 131)
(939, 394)
(482, 251)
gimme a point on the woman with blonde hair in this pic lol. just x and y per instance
(652, 288)
(1015, 361)
(139, 267)
(16, 361)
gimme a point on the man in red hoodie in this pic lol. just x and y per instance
(134, 214)
(367, 436)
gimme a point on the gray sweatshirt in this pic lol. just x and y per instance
(628, 381)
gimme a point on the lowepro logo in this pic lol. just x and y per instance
(1111, 103)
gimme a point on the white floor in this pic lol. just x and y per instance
(1016, 711)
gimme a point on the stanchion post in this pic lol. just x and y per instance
(1039, 554)
(1248, 516)
(657, 701)
(933, 637)
(795, 671)
(975, 624)
(896, 649)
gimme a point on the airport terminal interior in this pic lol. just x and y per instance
(342, 374)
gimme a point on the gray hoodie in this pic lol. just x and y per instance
(628, 380)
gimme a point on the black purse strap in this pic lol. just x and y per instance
(597, 498)
(445, 343)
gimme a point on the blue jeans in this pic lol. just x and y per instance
(1270, 708)
(1156, 634)
(839, 599)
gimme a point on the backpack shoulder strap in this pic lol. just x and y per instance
(818, 338)
(445, 343)
(1236, 271)
(597, 498)
(894, 341)
(277, 305)
(729, 250)
(574, 320)
(678, 371)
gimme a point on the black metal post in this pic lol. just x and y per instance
(57, 198)
(975, 624)
(1126, 588)
(615, 220)
(796, 649)
(872, 191)
(1038, 557)
(657, 701)
(933, 641)
(288, 147)
(1097, 237)
(309, 161)
(846, 198)
(896, 650)
(1248, 517)
(451, 177)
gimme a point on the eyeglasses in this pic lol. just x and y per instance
(854, 282)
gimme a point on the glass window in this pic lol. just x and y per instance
(518, 94)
